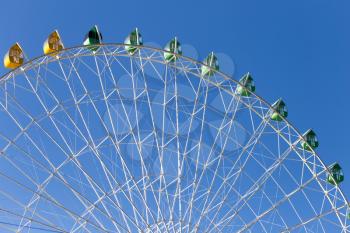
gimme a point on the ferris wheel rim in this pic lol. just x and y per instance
(32, 62)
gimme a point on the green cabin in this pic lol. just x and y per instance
(336, 175)
(134, 38)
(173, 47)
(309, 141)
(280, 110)
(93, 37)
(211, 64)
(246, 86)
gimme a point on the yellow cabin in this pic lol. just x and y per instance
(53, 44)
(14, 57)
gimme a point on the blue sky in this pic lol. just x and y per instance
(295, 49)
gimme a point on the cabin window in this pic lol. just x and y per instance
(284, 109)
(54, 43)
(312, 141)
(53, 40)
(172, 46)
(15, 55)
(249, 85)
(93, 35)
(133, 38)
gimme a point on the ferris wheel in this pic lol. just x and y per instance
(130, 138)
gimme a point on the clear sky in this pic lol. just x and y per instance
(298, 50)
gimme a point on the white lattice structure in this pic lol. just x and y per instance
(106, 141)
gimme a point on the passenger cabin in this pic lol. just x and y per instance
(309, 141)
(53, 44)
(280, 110)
(211, 64)
(246, 86)
(93, 37)
(14, 57)
(134, 38)
(336, 175)
(173, 47)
